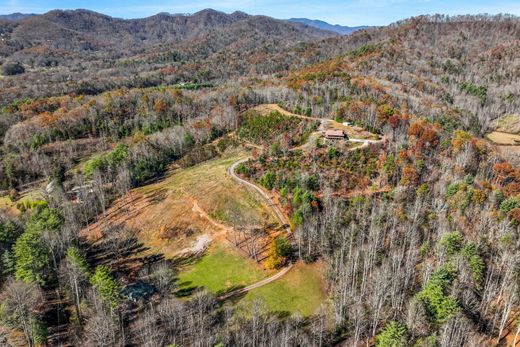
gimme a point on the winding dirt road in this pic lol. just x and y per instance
(281, 217)
(279, 213)
(257, 284)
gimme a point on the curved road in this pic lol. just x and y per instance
(257, 284)
(281, 217)
(279, 213)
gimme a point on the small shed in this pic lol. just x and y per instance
(334, 134)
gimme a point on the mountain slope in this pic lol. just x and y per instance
(340, 29)
(133, 52)
(99, 30)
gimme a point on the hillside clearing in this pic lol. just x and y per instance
(220, 269)
(171, 214)
(301, 290)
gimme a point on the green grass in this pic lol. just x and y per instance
(219, 270)
(301, 290)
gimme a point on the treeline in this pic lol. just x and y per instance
(44, 137)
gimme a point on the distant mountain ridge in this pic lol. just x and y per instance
(16, 16)
(340, 29)
(89, 30)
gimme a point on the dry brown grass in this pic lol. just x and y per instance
(502, 138)
(172, 213)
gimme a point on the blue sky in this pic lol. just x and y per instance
(345, 12)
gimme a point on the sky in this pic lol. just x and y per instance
(344, 12)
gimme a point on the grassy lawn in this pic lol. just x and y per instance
(219, 270)
(301, 290)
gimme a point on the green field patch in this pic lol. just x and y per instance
(300, 290)
(221, 269)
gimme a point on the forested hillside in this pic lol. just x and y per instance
(235, 180)
(86, 52)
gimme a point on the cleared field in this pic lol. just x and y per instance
(199, 206)
(220, 269)
(9, 206)
(201, 200)
(301, 290)
(502, 138)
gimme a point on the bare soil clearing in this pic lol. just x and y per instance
(503, 138)
(171, 214)
(508, 124)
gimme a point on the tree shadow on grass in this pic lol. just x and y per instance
(228, 291)
(187, 290)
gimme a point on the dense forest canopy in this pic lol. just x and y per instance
(413, 218)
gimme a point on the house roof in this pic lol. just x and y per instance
(334, 133)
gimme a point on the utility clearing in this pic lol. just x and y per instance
(351, 130)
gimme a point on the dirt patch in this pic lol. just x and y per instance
(201, 244)
(508, 124)
(172, 215)
(503, 138)
(351, 130)
(267, 108)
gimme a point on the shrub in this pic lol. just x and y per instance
(313, 182)
(474, 261)
(107, 286)
(107, 161)
(392, 335)
(438, 305)
(268, 180)
(410, 176)
(459, 139)
(12, 68)
(515, 215)
(31, 255)
(282, 247)
(360, 51)
(454, 188)
(422, 190)
(510, 204)
(333, 153)
(475, 90)
(451, 243)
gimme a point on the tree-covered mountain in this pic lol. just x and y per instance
(172, 180)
